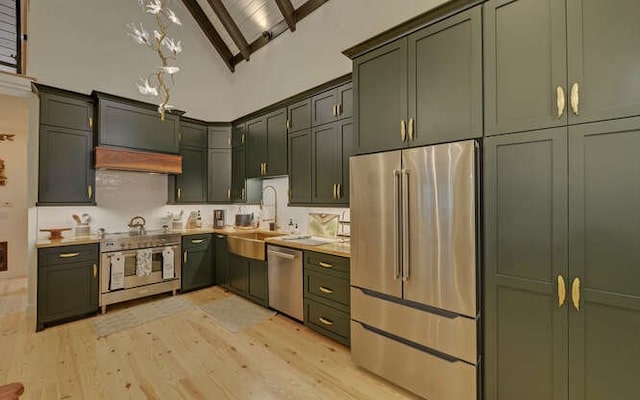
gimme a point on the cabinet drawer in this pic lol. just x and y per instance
(68, 254)
(196, 242)
(329, 263)
(327, 321)
(329, 289)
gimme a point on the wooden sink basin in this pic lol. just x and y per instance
(250, 244)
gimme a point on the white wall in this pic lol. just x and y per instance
(82, 45)
(14, 119)
(312, 54)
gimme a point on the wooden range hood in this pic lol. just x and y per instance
(140, 161)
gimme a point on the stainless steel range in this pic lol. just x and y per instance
(137, 264)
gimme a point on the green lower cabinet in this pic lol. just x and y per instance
(197, 262)
(67, 283)
(222, 261)
(258, 289)
(238, 275)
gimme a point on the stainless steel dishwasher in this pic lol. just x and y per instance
(285, 281)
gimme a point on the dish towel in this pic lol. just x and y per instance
(117, 271)
(143, 262)
(167, 263)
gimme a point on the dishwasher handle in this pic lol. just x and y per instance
(282, 255)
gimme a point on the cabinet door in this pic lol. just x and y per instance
(219, 137)
(66, 290)
(299, 116)
(256, 146)
(222, 261)
(191, 185)
(238, 135)
(445, 80)
(346, 138)
(238, 189)
(345, 101)
(258, 290)
(219, 173)
(525, 211)
(193, 134)
(525, 63)
(603, 58)
(238, 274)
(66, 111)
(324, 107)
(65, 166)
(380, 83)
(276, 160)
(300, 167)
(327, 162)
(604, 226)
(197, 270)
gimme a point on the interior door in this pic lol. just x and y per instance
(439, 193)
(375, 250)
(604, 227)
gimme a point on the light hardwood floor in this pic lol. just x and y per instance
(185, 356)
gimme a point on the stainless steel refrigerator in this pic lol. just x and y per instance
(414, 272)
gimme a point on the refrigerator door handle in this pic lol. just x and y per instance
(406, 269)
(397, 254)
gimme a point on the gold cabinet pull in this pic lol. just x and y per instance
(403, 130)
(340, 109)
(184, 257)
(90, 122)
(179, 193)
(562, 291)
(333, 110)
(560, 100)
(334, 191)
(410, 128)
(325, 321)
(95, 270)
(575, 98)
(575, 293)
(339, 191)
(288, 124)
(325, 290)
(242, 194)
(265, 168)
(69, 255)
(197, 241)
(242, 138)
(90, 192)
(325, 265)
(229, 194)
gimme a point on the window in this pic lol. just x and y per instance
(10, 36)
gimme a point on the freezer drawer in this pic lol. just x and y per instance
(452, 335)
(409, 367)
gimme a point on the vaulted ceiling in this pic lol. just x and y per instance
(237, 28)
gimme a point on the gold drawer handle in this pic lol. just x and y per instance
(575, 293)
(325, 321)
(562, 291)
(575, 98)
(325, 290)
(403, 130)
(325, 265)
(184, 257)
(197, 241)
(95, 270)
(69, 255)
(560, 101)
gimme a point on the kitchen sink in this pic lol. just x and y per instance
(250, 244)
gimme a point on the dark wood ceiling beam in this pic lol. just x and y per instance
(231, 27)
(288, 12)
(210, 32)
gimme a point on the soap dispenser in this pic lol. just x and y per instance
(291, 226)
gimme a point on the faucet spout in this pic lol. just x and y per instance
(275, 205)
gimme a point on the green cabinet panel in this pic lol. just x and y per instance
(258, 288)
(67, 283)
(256, 147)
(525, 62)
(445, 80)
(328, 289)
(603, 58)
(346, 131)
(219, 137)
(380, 84)
(604, 224)
(238, 135)
(191, 185)
(65, 111)
(238, 189)
(327, 321)
(332, 105)
(299, 116)
(65, 167)
(193, 134)
(197, 262)
(330, 162)
(125, 123)
(526, 249)
(275, 163)
(219, 176)
(238, 275)
(300, 167)
(222, 261)
(345, 101)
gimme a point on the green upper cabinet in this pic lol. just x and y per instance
(238, 178)
(256, 146)
(525, 71)
(604, 226)
(299, 116)
(380, 104)
(603, 59)
(66, 142)
(219, 164)
(300, 167)
(332, 105)
(136, 125)
(219, 137)
(275, 163)
(445, 80)
(238, 135)
(191, 185)
(526, 250)
(193, 134)
(331, 148)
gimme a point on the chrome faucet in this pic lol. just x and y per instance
(275, 205)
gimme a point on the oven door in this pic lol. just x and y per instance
(131, 279)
